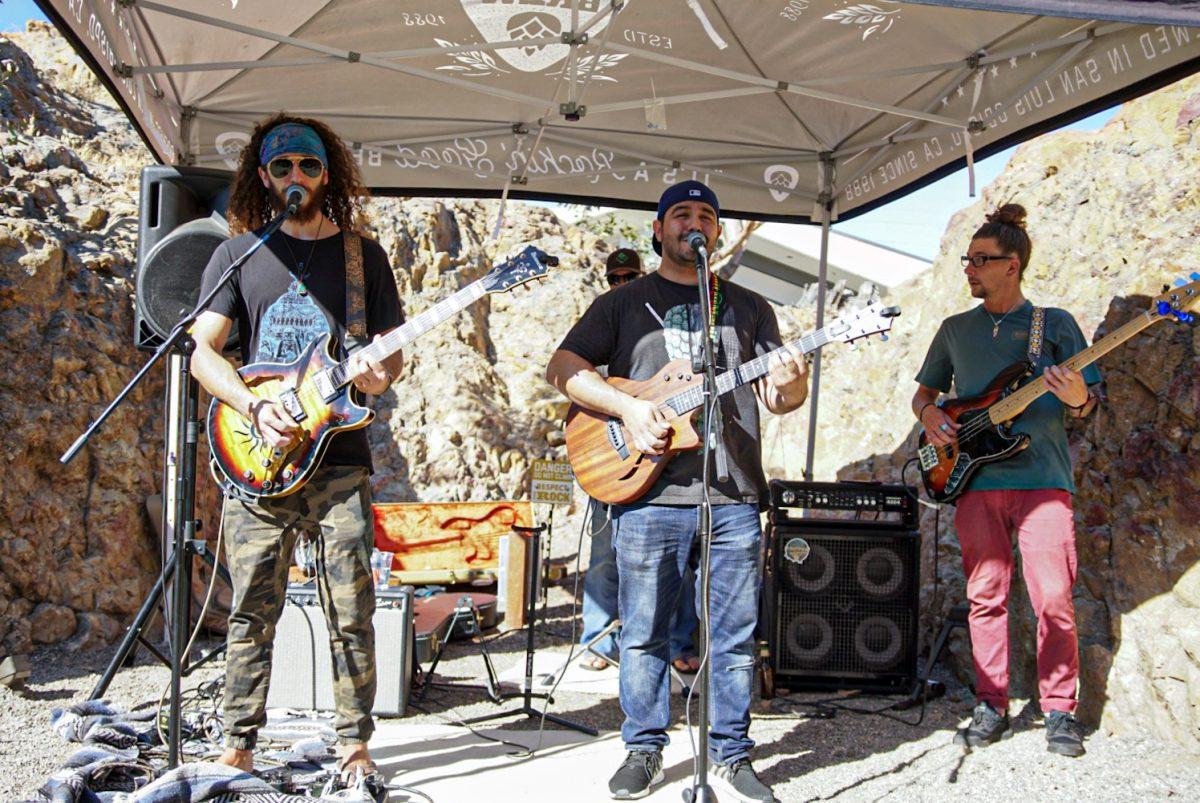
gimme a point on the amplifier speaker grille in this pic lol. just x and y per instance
(842, 606)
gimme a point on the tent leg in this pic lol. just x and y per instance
(822, 283)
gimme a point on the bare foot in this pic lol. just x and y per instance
(241, 759)
(354, 757)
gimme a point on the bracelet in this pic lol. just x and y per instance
(921, 412)
(1086, 402)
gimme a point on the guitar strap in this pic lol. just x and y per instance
(356, 303)
(1037, 328)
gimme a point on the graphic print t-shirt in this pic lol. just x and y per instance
(279, 315)
(641, 326)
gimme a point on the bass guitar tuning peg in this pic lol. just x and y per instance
(1194, 276)
(883, 337)
(1180, 282)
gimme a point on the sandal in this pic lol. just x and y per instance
(687, 664)
(594, 663)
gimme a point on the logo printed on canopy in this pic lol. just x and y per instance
(501, 21)
(783, 176)
(230, 145)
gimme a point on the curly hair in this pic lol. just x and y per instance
(1007, 227)
(250, 202)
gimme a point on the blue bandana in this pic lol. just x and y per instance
(684, 191)
(291, 138)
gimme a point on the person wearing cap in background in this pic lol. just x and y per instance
(288, 293)
(635, 330)
(600, 584)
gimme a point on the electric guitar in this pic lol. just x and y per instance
(316, 390)
(985, 434)
(610, 469)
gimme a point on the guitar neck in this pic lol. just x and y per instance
(745, 373)
(1015, 403)
(401, 336)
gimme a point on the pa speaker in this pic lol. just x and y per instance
(182, 222)
(302, 663)
(842, 606)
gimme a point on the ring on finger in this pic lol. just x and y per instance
(943, 427)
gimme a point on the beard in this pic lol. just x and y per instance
(309, 210)
(678, 251)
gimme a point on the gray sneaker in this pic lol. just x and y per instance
(740, 783)
(1062, 735)
(987, 727)
(640, 770)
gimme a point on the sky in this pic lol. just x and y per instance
(914, 224)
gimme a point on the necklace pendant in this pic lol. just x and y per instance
(995, 331)
(302, 289)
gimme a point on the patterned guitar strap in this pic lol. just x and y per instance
(356, 303)
(1037, 328)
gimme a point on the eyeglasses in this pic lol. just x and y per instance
(282, 167)
(621, 278)
(978, 260)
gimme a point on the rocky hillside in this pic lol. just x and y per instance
(1113, 215)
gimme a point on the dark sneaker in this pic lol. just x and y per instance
(740, 782)
(640, 770)
(987, 727)
(1062, 735)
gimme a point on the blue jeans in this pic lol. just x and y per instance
(600, 596)
(655, 544)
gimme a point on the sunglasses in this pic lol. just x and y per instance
(282, 167)
(621, 278)
(978, 260)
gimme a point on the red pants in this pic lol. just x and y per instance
(1045, 527)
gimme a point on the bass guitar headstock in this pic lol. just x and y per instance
(530, 265)
(1178, 301)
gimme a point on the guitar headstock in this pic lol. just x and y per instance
(1178, 301)
(870, 320)
(527, 266)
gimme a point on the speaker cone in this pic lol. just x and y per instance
(168, 285)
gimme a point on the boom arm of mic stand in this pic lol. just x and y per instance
(175, 337)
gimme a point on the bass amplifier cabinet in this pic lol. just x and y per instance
(302, 666)
(842, 583)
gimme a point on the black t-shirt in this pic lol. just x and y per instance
(637, 328)
(278, 315)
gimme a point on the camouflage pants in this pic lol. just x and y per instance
(336, 503)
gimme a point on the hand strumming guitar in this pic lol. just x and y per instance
(277, 427)
(646, 424)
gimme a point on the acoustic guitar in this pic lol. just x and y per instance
(607, 465)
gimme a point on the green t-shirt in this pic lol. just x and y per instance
(964, 351)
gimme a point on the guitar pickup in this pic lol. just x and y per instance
(291, 403)
(928, 456)
(325, 386)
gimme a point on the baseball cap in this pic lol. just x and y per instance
(623, 259)
(684, 191)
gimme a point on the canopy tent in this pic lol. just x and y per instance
(792, 110)
(778, 105)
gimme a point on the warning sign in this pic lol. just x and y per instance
(552, 483)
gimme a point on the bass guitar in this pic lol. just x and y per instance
(316, 390)
(608, 466)
(985, 434)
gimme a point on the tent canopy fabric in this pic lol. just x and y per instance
(785, 107)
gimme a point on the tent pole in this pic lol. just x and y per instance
(822, 274)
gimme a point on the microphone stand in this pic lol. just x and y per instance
(184, 543)
(701, 792)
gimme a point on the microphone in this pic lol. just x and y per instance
(296, 196)
(697, 242)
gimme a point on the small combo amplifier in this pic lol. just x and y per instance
(842, 583)
(302, 664)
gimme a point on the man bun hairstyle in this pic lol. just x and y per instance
(1007, 227)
